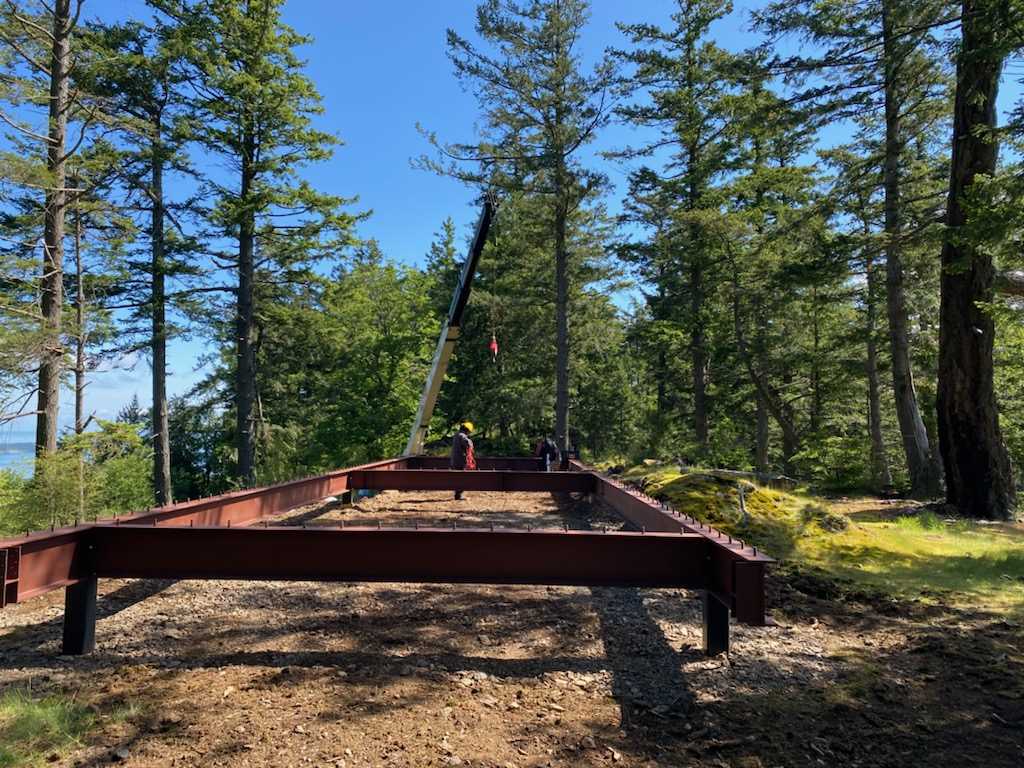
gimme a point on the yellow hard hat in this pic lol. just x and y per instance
(468, 425)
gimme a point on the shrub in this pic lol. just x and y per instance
(922, 520)
(95, 474)
(824, 518)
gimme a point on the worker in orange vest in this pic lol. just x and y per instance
(462, 455)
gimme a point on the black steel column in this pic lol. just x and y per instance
(80, 617)
(716, 625)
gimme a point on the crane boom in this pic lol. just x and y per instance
(449, 334)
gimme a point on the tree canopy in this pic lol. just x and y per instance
(810, 264)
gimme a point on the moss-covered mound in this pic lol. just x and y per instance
(769, 518)
(896, 547)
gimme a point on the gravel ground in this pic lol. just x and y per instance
(293, 674)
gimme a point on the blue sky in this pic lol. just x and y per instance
(381, 67)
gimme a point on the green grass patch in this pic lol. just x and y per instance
(923, 556)
(918, 555)
(32, 729)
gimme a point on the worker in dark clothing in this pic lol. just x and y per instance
(548, 452)
(462, 456)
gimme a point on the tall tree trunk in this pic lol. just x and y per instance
(881, 477)
(80, 335)
(160, 424)
(561, 326)
(816, 405)
(761, 434)
(780, 410)
(761, 336)
(699, 356)
(661, 360)
(761, 403)
(52, 284)
(924, 480)
(80, 342)
(245, 371)
(979, 478)
(790, 439)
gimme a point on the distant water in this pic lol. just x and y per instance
(17, 456)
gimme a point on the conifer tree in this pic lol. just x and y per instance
(979, 477)
(883, 58)
(772, 243)
(256, 110)
(38, 45)
(139, 71)
(683, 83)
(540, 109)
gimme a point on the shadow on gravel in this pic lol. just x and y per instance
(34, 636)
(853, 681)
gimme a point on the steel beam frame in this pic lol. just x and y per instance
(481, 480)
(498, 463)
(209, 539)
(736, 569)
(421, 555)
(42, 561)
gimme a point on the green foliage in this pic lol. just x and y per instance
(757, 337)
(258, 106)
(201, 453)
(344, 361)
(824, 518)
(835, 462)
(93, 475)
(512, 400)
(54, 496)
(118, 468)
(12, 486)
(255, 108)
(33, 729)
(923, 520)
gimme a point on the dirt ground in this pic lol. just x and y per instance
(295, 674)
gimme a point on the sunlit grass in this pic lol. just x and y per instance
(923, 556)
(917, 555)
(33, 729)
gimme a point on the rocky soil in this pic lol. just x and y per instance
(294, 674)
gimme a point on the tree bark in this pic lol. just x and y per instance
(924, 480)
(80, 341)
(698, 331)
(245, 371)
(816, 398)
(787, 420)
(979, 477)
(80, 336)
(561, 324)
(52, 283)
(159, 416)
(699, 356)
(779, 409)
(881, 477)
(761, 404)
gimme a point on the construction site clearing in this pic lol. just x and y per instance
(247, 673)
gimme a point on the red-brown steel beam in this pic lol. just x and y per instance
(478, 480)
(736, 570)
(502, 556)
(39, 562)
(512, 463)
